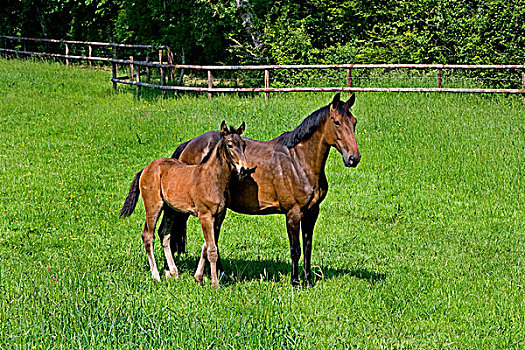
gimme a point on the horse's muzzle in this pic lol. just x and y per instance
(351, 160)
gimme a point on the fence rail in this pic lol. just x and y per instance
(88, 45)
(134, 77)
(93, 43)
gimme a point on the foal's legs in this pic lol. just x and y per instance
(148, 238)
(216, 232)
(174, 223)
(293, 221)
(171, 240)
(202, 264)
(207, 223)
(307, 227)
(153, 204)
(204, 253)
(172, 269)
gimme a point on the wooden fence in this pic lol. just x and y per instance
(139, 68)
(19, 46)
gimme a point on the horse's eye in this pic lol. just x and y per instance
(230, 145)
(336, 122)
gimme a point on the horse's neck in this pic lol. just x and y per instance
(218, 169)
(314, 153)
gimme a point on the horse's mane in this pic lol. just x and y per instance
(183, 146)
(305, 129)
(179, 150)
(212, 149)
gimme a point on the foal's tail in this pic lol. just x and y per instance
(131, 200)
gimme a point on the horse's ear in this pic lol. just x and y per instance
(224, 128)
(351, 101)
(336, 99)
(241, 128)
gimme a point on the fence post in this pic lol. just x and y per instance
(131, 70)
(162, 74)
(67, 54)
(210, 83)
(266, 83)
(440, 78)
(163, 80)
(137, 79)
(147, 69)
(115, 52)
(114, 72)
(90, 52)
(170, 61)
(349, 77)
(523, 86)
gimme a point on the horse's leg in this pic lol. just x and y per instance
(307, 227)
(217, 231)
(204, 256)
(148, 238)
(202, 264)
(177, 228)
(293, 220)
(170, 262)
(207, 223)
(173, 224)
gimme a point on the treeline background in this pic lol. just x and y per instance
(284, 31)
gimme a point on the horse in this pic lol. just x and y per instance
(199, 190)
(290, 177)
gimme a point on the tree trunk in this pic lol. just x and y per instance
(243, 8)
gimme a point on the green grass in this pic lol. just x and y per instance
(420, 246)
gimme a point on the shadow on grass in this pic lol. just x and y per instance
(243, 270)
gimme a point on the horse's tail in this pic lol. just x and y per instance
(131, 200)
(179, 150)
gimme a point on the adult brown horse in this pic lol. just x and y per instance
(200, 190)
(290, 177)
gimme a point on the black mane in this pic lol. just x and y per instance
(179, 150)
(305, 129)
(210, 152)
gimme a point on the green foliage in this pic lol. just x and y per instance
(184, 26)
(421, 246)
(314, 31)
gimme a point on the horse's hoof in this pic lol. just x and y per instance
(198, 280)
(156, 276)
(169, 275)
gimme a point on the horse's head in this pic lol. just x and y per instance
(340, 130)
(234, 147)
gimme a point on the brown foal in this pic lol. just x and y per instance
(199, 190)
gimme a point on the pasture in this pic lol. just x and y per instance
(421, 246)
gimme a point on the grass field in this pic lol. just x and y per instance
(421, 246)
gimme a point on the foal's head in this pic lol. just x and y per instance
(233, 149)
(340, 130)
